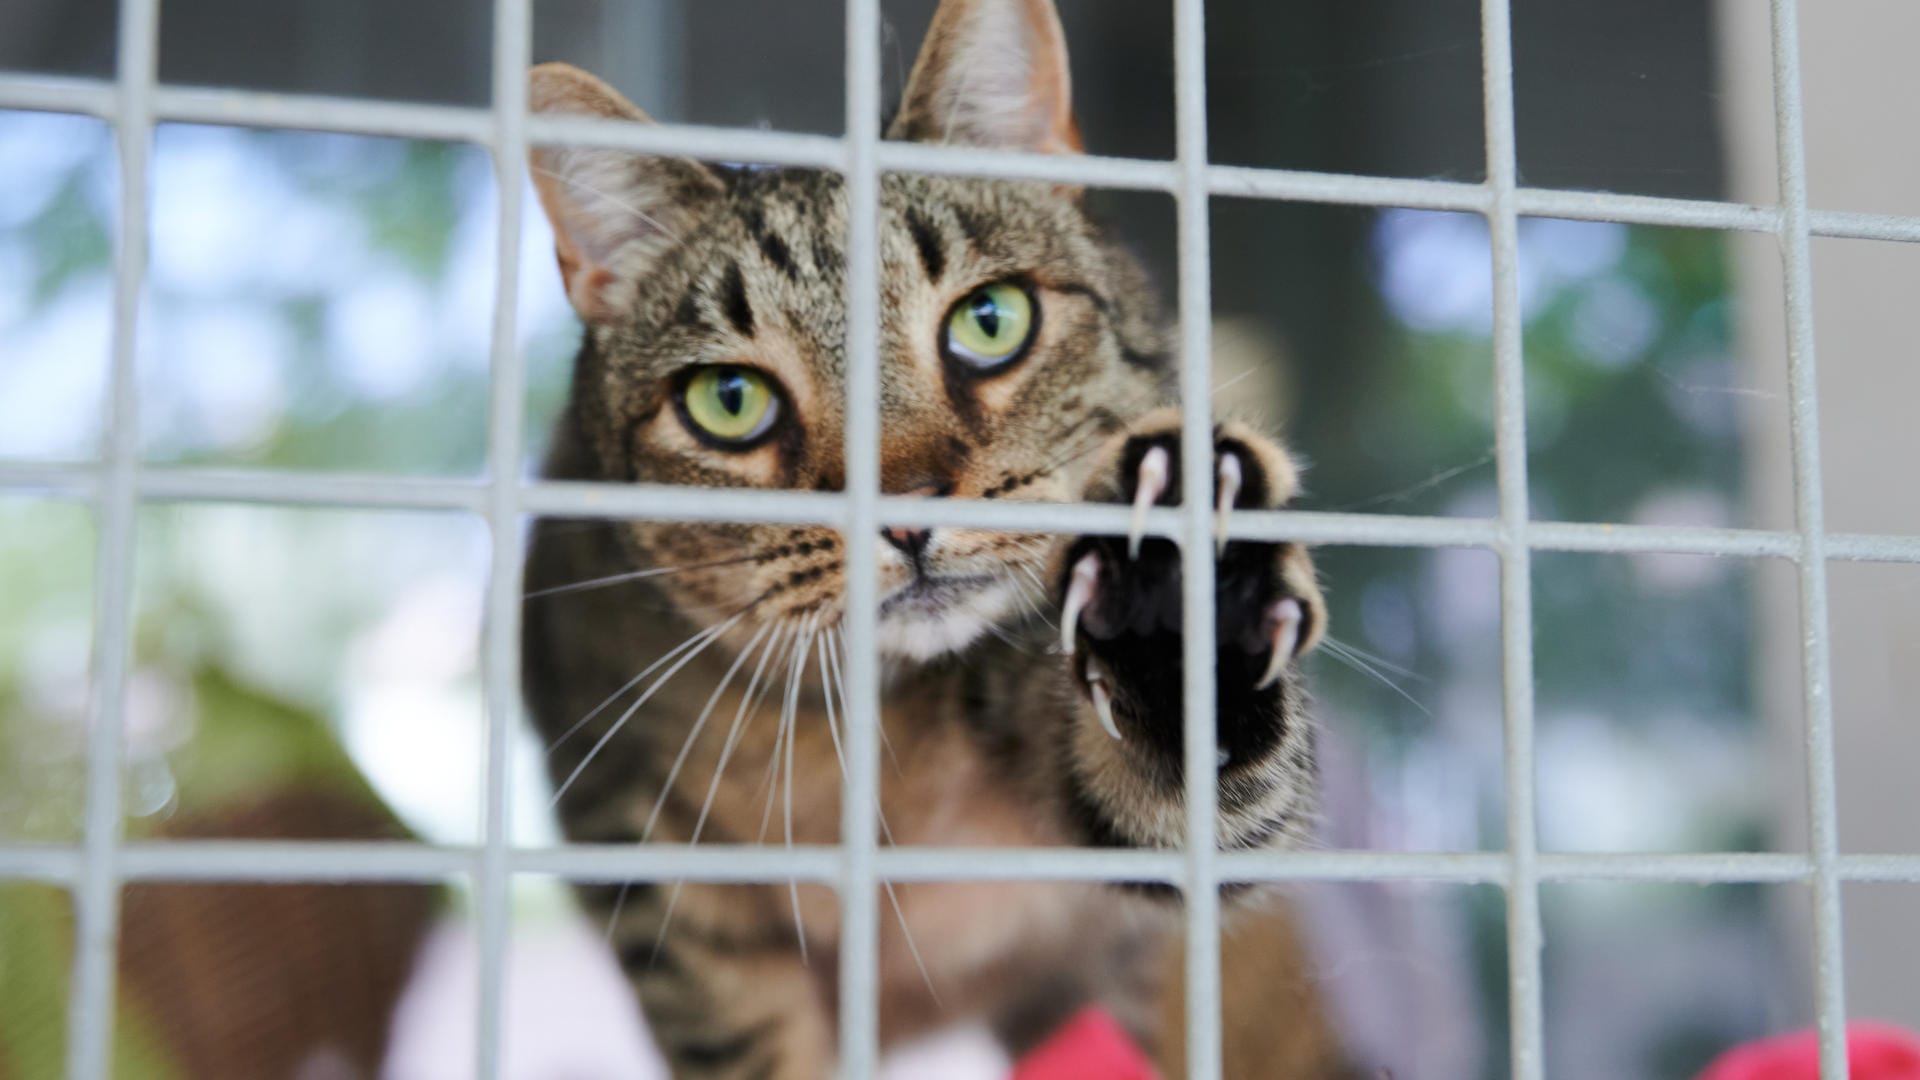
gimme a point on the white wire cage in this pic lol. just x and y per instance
(134, 102)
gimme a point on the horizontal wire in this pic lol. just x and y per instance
(269, 861)
(353, 116)
(209, 105)
(345, 490)
(41, 863)
(49, 93)
(691, 140)
(53, 480)
(1644, 210)
(342, 861)
(273, 487)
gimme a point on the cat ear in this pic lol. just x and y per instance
(993, 73)
(614, 213)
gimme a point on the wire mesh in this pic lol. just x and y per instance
(119, 484)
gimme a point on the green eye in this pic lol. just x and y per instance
(992, 326)
(730, 404)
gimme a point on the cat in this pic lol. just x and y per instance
(1031, 684)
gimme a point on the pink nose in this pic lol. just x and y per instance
(911, 541)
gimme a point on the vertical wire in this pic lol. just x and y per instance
(91, 1003)
(1197, 549)
(1524, 940)
(859, 930)
(1810, 520)
(501, 659)
(90, 1007)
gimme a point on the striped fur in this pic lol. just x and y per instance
(990, 735)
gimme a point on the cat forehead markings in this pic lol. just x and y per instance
(766, 270)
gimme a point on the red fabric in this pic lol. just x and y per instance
(1874, 1052)
(1091, 1046)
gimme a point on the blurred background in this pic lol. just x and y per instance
(321, 302)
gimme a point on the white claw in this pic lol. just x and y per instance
(1084, 583)
(1284, 622)
(1154, 466)
(1102, 701)
(1229, 488)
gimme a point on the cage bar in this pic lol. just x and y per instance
(1201, 769)
(343, 861)
(568, 499)
(96, 868)
(500, 660)
(1809, 518)
(97, 892)
(181, 104)
(1516, 564)
(860, 792)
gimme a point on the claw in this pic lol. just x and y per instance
(1154, 466)
(1084, 583)
(1102, 701)
(1229, 488)
(1283, 620)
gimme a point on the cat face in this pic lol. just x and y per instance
(1013, 339)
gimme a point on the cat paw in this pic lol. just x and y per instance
(1120, 598)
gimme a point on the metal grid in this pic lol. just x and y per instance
(97, 868)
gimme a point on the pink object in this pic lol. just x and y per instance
(1875, 1051)
(1091, 1046)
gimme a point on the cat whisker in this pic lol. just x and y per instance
(793, 718)
(619, 904)
(686, 747)
(1002, 635)
(1418, 488)
(629, 685)
(770, 780)
(699, 724)
(650, 669)
(666, 920)
(886, 831)
(838, 684)
(747, 701)
(835, 644)
(634, 575)
(1345, 655)
(913, 949)
(708, 638)
(1375, 659)
(1032, 574)
(1033, 599)
(749, 706)
(1226, 384)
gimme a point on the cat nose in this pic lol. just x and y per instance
(912, 542)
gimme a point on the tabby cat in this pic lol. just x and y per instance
(1032, 684)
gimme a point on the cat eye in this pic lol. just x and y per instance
(992, 326)
(732, 406)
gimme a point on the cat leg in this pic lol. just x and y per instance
(1120, 601)
(722, 1003)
